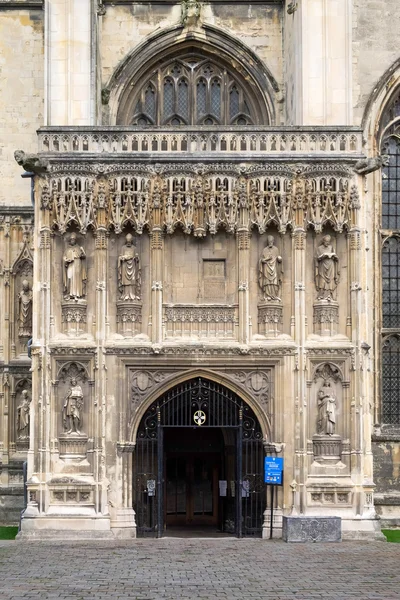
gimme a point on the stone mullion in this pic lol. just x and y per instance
(299, 333)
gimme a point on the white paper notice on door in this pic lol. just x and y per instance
(223, 486)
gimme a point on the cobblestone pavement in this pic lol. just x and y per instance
(199, 569)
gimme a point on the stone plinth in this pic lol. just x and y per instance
(326, 317)
(327, 447)
(129, 318)
(270, 318)
(312, 529)
(72, 445)
(22, 445)
(74, 316)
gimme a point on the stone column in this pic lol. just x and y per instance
(70, 96)
(156, 263)
(5, 335)
(98, 408)
(39, 455)
(243, 244)
(299, 332)
(321, 69)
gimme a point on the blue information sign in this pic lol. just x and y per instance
(273, 470)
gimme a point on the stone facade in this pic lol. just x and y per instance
(173, 248)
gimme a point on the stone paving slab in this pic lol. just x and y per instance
(201, 569)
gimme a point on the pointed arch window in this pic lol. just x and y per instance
(390, 236)
(193, 91)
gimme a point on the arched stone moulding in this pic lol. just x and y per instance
(174, 41)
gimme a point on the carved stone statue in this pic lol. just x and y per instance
(326, 269)
(190, 12)
(270, 271)
(31, 163)
(72, 408)
(25, 310)
(74, 275)
(369, 165)
(23, 416)
(129, 272)
(326, 409)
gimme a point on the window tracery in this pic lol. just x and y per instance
(390, 235)
(193, 91)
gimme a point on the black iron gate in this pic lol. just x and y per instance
(199, 403)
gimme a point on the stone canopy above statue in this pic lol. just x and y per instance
(201, 199)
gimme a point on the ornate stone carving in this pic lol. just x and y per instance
(271, 202)
(327, 448)
(315, 144)
(31, 163)
(74, 272)
(326, 269)
(326, 443)
(270, 272)
(73, 404)
(190, 12)
(25, 310)
(258, 383)
(299, 239)
(72, 447)
(143, 382)
(23, 417)
(200, 320)
(369, 165)
(199, 197)
(73, 316)
(129, 271)
(129, 317)
(270, 318)
(326, 423)
(45, 239)
(326, 317)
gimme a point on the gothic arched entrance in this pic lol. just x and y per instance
(199, 462)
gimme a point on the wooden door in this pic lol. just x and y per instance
(191, 489)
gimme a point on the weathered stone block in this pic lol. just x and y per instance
(312, 529)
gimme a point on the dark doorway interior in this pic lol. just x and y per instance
(194, 465)
(198, 463)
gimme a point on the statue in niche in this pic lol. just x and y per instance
(23, 416)
(270, 271)
(129, 272)
(25, 309)
(326, 269)
(326, 409)
(72, 408)
(74, 274)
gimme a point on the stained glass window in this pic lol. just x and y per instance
(390, 380)
(390, 235)
(192, 91)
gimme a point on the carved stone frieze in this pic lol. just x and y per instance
(73, 316)
(129, 317)
(200, 320)
(327, 447)
(200, 197)
(326, 317)
(72, 446)
(203, 350)
(270, 318)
